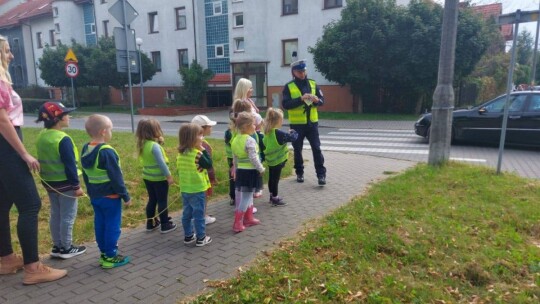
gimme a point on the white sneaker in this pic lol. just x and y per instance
(254, 209)
(209, 219)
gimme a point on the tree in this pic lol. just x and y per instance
(195, 86)
(97, 66)
(386, 53)
(524, 51)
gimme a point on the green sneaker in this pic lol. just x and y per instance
(101, 258)
(114, 262)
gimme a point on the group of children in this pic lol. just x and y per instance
(248, 143)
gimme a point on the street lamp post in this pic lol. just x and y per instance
(139, 42)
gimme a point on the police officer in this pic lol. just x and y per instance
(301, 98)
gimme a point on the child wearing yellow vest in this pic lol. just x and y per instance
(248, 170)
(156, 174)
(276, 151)
(192, 162)
(58, 157)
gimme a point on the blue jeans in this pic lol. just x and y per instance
(107, 221)
(63, 214)
(194, 209)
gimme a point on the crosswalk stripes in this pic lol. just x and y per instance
(394, 143)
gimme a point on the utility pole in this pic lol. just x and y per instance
(443, 98)
(535, 53)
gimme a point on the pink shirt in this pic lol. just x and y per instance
(10, 100)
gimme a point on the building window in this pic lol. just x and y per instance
(238, 20)
(170, 94)
(92, 28)
(57, 27)
(156, 60)
(217, 8)
(220, 50)
(290, 48)
(180, 18)
(290, 7)
(239, 44)
(183, 60)
(106, 28)
(39, 40)
(103, 1)
(153, 22)
(55, 12)
(51, 38)
(332, 3)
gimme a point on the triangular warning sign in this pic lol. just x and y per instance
(70, 56)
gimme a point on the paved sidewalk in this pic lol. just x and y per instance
(164, 270)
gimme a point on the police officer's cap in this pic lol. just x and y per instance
(299, 65)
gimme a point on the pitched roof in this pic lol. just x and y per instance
(24, 11)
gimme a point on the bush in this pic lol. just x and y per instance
(33, 91)
(31, 105)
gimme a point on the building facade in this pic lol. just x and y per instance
(254, 39)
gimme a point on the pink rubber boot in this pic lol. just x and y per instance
(238, 226)
(249, 220)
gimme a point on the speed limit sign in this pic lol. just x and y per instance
(72, 69)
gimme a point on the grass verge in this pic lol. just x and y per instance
(134, 215)
(457, 234)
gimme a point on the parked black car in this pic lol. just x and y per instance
(483, 123)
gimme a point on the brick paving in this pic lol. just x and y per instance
(164, 270)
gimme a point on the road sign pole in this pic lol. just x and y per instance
(73, 93)
(126, 28)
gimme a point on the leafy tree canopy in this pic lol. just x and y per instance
(195, 85)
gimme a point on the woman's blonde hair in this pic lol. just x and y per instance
(244, 120)
(148, 129)
(188, 136)
(242, 88)
(4, 66)
(273, 119)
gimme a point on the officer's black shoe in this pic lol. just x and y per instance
(322, 181)
(300, 178)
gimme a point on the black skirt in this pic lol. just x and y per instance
(248, 180)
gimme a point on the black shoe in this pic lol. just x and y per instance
(152, 224)
(71, 252)
(300, 178)
(231, 202)
(322, 181)
(168, 227)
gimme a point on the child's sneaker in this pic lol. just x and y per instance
(101, 258)
(72, 251)
(231, 202)
(168, 227)
(203, 241)
(189, 239)
(209, 219)
(257, 194)
(152, 224)
(116, 261)
(277, 201)
(55, 252)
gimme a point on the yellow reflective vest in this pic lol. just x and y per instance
(298, 116)
(151, 170)
(48, 151)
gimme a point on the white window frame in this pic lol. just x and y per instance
(180, 12)
(288, 49)
(57, 28)
(92, 28)
(239, 44)
(55, 12)
(217, 8)
(153, 23)
(218, 46)
(235, 23)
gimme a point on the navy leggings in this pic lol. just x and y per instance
(18, 187)
(157, 195)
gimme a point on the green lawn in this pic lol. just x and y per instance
(457, 234)
(134, 215)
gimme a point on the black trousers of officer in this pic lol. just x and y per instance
(311, 132)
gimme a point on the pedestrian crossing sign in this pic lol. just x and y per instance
(70, 56)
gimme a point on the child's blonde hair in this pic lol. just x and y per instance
(188, 136)
(148, 129)
(242, 88)
(273, 119)
(97, 123)
(4, 65)
(243, 121)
